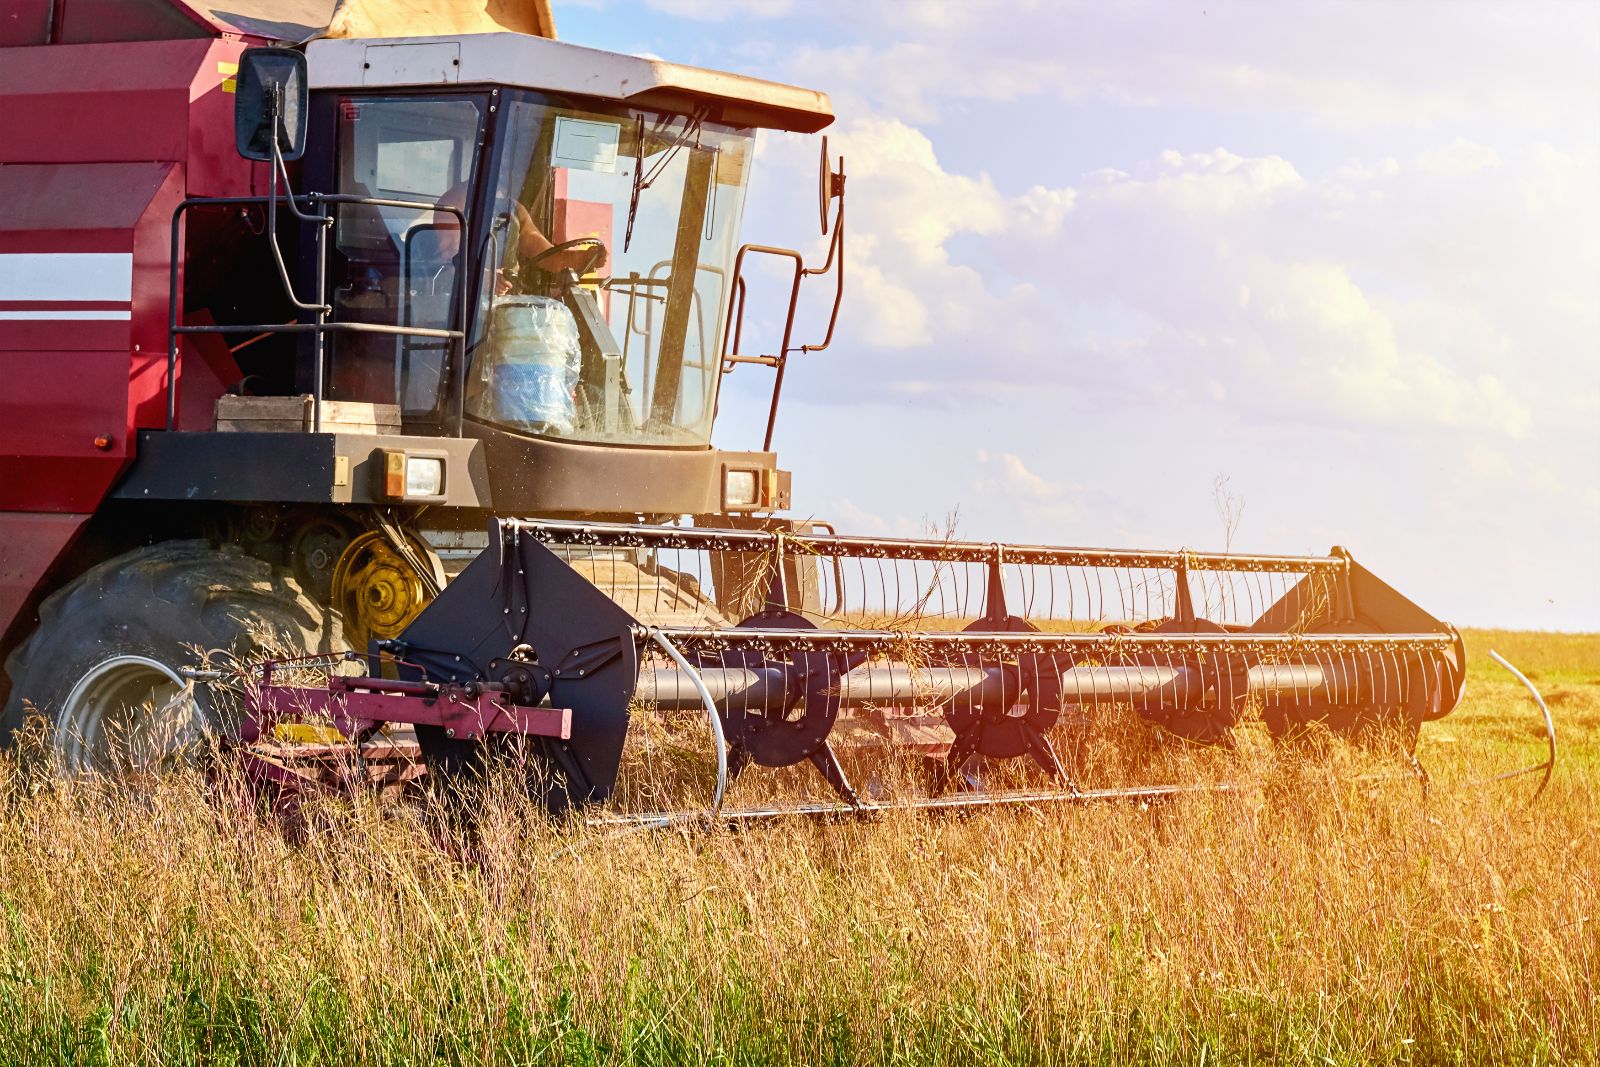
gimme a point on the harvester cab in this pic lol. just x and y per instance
(443, 349)
(523, 262)
(584, 247)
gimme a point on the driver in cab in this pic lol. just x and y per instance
(529, 375)
(534, 248)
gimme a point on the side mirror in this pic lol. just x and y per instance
(270, 104)
(830, 184)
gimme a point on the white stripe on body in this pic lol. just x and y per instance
(66, 276)
(64, 314)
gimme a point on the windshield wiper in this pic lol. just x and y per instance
(643, 181)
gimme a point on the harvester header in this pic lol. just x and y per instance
(808, 647)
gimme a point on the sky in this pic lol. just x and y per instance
(1116, 269)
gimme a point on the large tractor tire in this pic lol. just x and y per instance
(103, 666)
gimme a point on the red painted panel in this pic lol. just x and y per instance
(102, 68)
(46, 218)
(94, 141)
(98, 202)
(205, 371)
(126, 20)
(54, 404)
(42, 336)
(152, 259)
(161, 100)
(58, 485)
(29, 544)
(42, 305)
(96, 103)
(126, 125)
(215, 167)
(24, 22)
(97, 240)
(582, 218)
(60, 395)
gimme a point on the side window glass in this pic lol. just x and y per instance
(397, 266)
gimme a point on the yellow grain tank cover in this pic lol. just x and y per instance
(439, 18)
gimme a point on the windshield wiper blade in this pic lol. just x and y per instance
(642, 181)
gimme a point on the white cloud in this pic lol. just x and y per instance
(1185, 242)
(1004, 476)
(848, 517)
(1460, 156)
(1350, 69)
(1227, 280)
(1013, 476)
(1376, 305)
(851, 517)
(906, 290)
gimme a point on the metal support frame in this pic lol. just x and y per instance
(357, 709)
(984, 666)
(774, 686)
(358, 706)
(624, 535)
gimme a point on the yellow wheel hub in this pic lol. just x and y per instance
(376, 591)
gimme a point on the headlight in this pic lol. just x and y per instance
(424, 476)
(741, 489)
(412, 477)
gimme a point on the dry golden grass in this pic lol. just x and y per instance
(1304, 919)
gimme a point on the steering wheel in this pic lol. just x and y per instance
(596, 256)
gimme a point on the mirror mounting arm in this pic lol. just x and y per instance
(835, 248)
(324, 220)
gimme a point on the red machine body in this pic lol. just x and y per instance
(99, 142)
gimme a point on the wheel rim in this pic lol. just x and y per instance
(377, 593)
(126, 712)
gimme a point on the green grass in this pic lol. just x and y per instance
(1543, 657)
(1307, 919)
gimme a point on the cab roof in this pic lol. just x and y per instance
(357, 44)
(522, 61)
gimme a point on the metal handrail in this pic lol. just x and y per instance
(781, 359)
(324, 218)
(734, 333)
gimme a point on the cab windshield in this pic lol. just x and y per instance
(606, 256)
(597, 281)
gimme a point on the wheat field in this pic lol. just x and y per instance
(1313, 916)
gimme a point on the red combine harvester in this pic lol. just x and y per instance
(410, 346)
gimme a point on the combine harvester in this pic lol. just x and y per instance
(295, 303)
